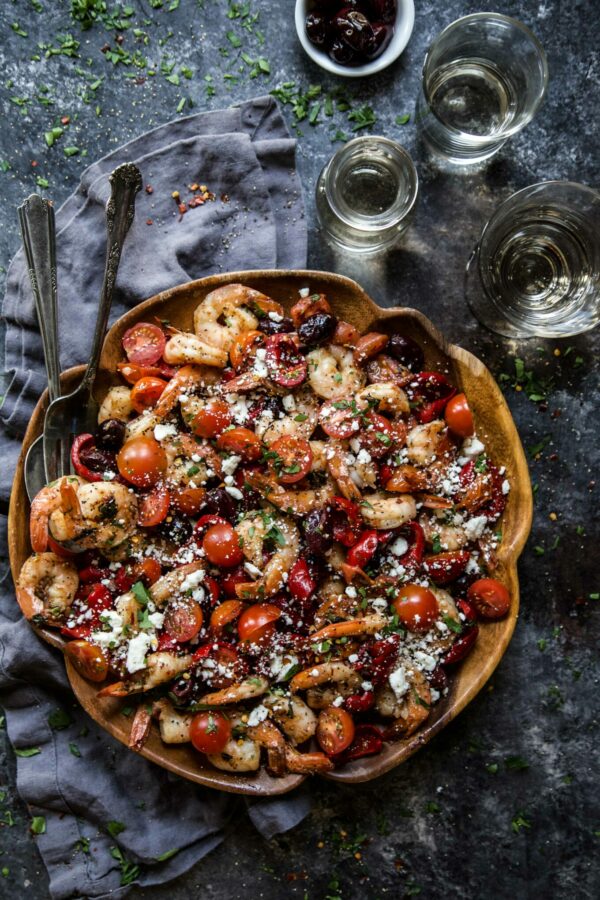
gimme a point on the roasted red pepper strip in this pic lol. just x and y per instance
(378, 659)
(347, 521)
(467, 476)
(462, 647)
(358, 703)
(446, 567)
(96, 598)
(93, 574)
(364, 549)
(434, 390)
(81, 442)
(413, 557)
(367, 741)
(287, 366)
(301, 583)
(468, 611)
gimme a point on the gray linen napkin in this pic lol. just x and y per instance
(82, 779)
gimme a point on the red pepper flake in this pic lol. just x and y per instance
(65, 120)
(182, 208)
(148, 221)
(149, 189)
(105, 48)
(34, 163)
(224, 198)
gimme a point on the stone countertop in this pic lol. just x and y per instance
(504, 801)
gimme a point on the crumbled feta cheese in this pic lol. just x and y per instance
(235, 493)
(114, 622)
(304, 292)
(280, 665)
(230, 464)
(136, 651)
(435, 695)
(252, 570)
(289, 402)
(471, 448)
(260, 368)
(399, 547)
(192, 580)
(353, 658)
(379, 604)
(275, 317)
(505, 486)
(229, 479)
(162, 431)
(157, 619)
(258, 715)
(474, 528)
(398, 682)
(339, 700)
(367, 686)
(261, 353)
(425, 661)
(363, 456)
(351, 591)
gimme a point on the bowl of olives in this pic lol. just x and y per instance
(354, 38)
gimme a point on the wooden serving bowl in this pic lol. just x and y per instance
(494, 424)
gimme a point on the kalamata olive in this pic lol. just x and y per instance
(269, 326)
(317, 329)
(318, 28)
(382, 11)
(272, 404)
(318, 532)
(406, 351)
(111, 434)
(184, 689)
(354, 29)
(176, 529)
(438, 678)
(341, 53)
(219, 503)
(382, 35)
(98, 460)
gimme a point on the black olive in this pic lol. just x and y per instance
(406, 351)
(341, 53)
(111, 434)
(382, 11)
(184, 689)
(354, 29)
(382, 35)
(219, 503)
(176, 529)
(317, 329)
(318, 28)
(318, 533)
(98, 460)
(268, 326)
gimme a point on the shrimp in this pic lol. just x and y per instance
(423, 442)
(288, 546)
(387, 396)
(161, 666)
(142, 425)
(240, 753)
(300, 420)
(116, 405)
(338, 468)
(436, 528)
(294, 717)
(185, 349)
(409, 711)
(188, 378)
(188, 577)
(183, 449)
(174, 725)
(282, 755)
(84, 516)
(229, 304)
(335, 671)
(247, 689)
(350, 628)
(332, 373)
(385, 511)
(443, 640)
(297, 503)
(47, 585)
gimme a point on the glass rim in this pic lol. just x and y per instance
(389, 218)
(484, 140)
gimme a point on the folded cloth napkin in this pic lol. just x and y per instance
(82, 780)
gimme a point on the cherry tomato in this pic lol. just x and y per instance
(459, 417)
(230, 579)
(345, 334)
(210, 732)
(81, 444)
(335, 730)
(189, 501)
(132, 373)
(287, 366)
(361, 552)
(224, 613)
(183, 620)
(339, 419)
(447, 566)
(368, 346)
(153, 507)
(257, 622)
(148, 571)
(87, 659)
(377, 435)
(142, 461)
(212, 419)
(146, 392)
(489, 597)
(293, 460)
(416, 606)
(222, 546)
(241, 441)
(144, 344)
(309, 306)
(244, 348)
(301, 583)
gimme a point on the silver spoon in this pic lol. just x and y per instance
(36, 218)
(77, 413)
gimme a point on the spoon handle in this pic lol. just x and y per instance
(125, 182)
(36, 218)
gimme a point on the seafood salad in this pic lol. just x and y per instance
(280, 539)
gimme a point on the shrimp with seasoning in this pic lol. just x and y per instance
(300, 420)
(332, 373)
(187, 380)
(231, 305)
(295, 502)
(387, 511)
(47, 586)
(161, 666)
(116, 405)
(257, 528)
(408, 712)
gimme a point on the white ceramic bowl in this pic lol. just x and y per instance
(405, 19)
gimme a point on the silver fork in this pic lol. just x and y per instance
(36, 218)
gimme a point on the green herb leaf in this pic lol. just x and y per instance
(28, 751)
(516, 763)
(74, 749)
(402, 120)
(59, 719)
(38, 825)
(167, 855)
(115, 828)
(140, 593)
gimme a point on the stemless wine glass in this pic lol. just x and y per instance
(367, 193)
(536, 268)
(484, 77)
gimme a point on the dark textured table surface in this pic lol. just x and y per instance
(504, 802)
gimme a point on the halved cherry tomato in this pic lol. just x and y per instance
(148, 571)
(448, 566)
(93, 597)
(93, 574)
(144, 344)
(241, 441)
(459, 417)
(153, 507)
(257, 623)
(368, 346)
(222, 546)
(212, 419)
(87, 659)
(189, 501)
(146, 392)
(132, 373)
(339, 419)
(432, 390)
(335, 730)
(377, 435)
(230, 579)
(345, 334)
(142, 461)
(183, 620)
(287, 366)
(244, 347)
(81, 443)
(309, 306)
(290, 458)
(210, 731)
(489, 597)
(367, 741)
(301, 583)
(416, 607)
(468, 611)
(224, 613)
